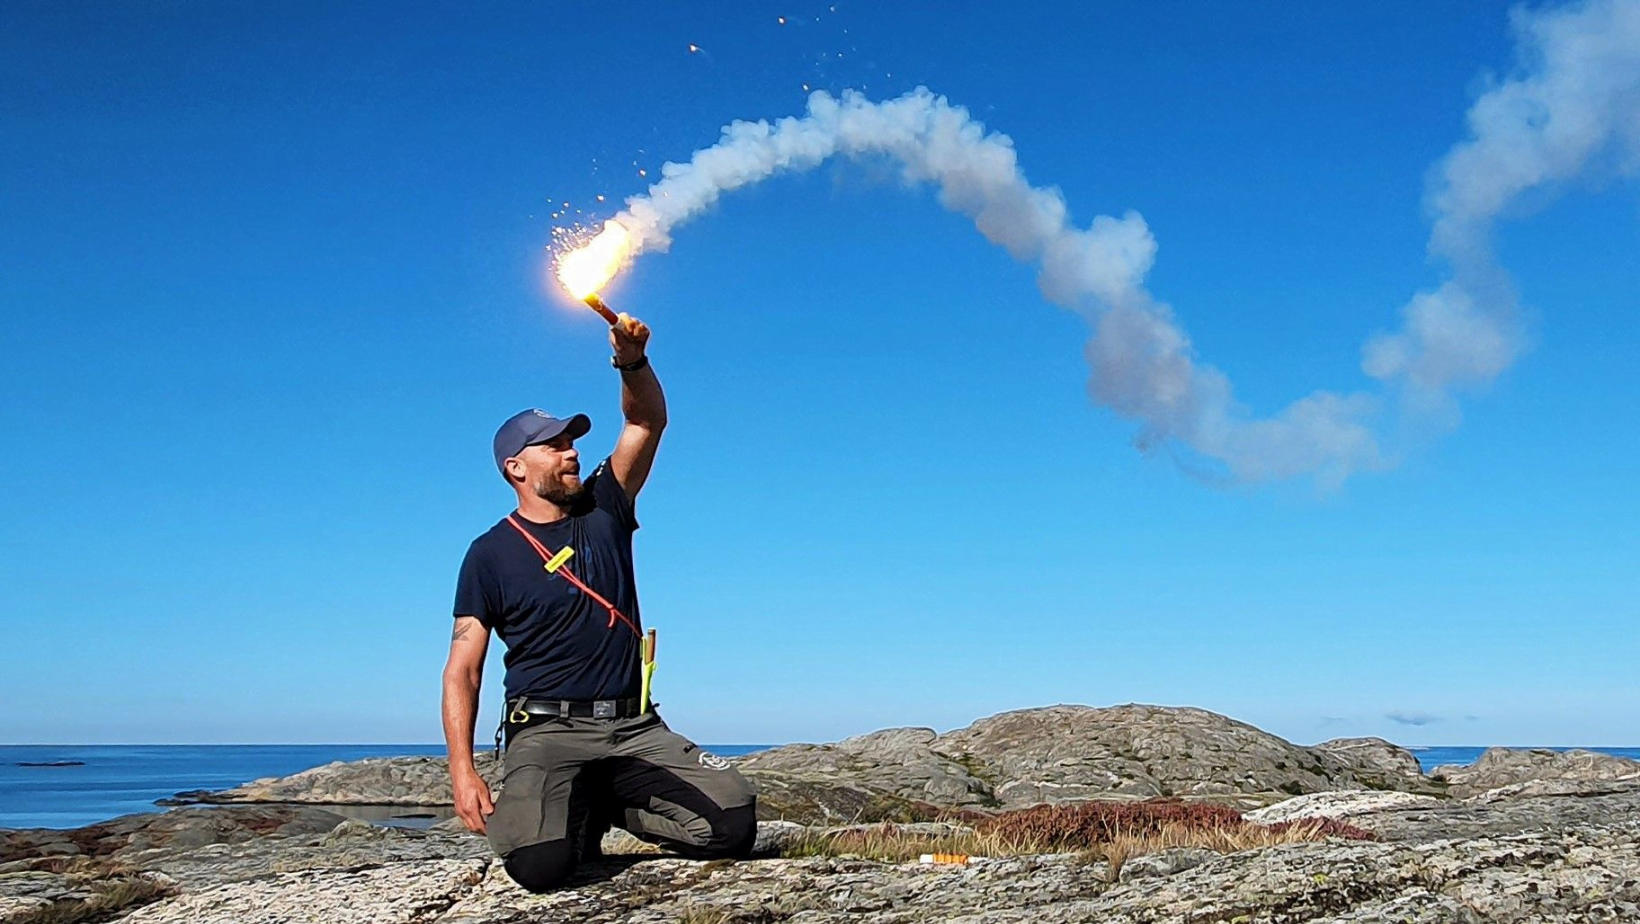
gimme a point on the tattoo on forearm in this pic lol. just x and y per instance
(462, 628)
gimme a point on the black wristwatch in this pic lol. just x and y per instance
(632, 366)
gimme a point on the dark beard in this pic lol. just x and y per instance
(554, 492)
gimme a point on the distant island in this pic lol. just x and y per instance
(51, 763)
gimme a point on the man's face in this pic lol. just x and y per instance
(552, 470)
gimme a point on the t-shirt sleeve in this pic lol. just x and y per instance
(610, 496)
(476, 589)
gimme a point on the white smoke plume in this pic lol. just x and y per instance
(1143, 365)
(1575, 96)
(1572, 105)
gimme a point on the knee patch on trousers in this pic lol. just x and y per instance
(541, 867)
(734, 833)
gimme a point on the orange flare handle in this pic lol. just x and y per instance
(597, 304)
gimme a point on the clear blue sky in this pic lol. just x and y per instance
(270, 276)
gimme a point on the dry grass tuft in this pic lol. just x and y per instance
(1109, 831)
(1080, 825)
(80, 868)
(705, 914)
(1317, 828)
(109, 898)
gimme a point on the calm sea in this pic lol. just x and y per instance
(117, 780)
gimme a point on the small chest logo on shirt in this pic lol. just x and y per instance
(712, 761)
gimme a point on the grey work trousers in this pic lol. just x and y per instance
(566, 777)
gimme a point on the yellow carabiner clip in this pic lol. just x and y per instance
(518, 716)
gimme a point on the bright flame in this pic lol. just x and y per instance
(586, 269)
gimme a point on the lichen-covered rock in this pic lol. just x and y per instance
(85, 894)
(1580, 873)
(1055, 754)
(1064, 754)
(31, 890)
(387, 894)
(350, 845)
(890, 775)
(1571, 772)
(1342, 804)
(1378, 764)
(1476, 819)
(1546, 859)
(121, 837)
(1165, 863)
(372, 781)
(1072, 753)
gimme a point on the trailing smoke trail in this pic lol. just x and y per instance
(1143, 365)
(1575, 98)
(1574, 104)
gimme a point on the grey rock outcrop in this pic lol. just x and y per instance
(1481, 818)
(1054, 754)
(1540, 772)
(1070, 753)
(407, 892)
(420, 781)
(42, 895)
(1507, 854)
(1342, 804)
(882, 776)
(1063, 754)
(1378, 764)
(1573, 873)
(134, 835)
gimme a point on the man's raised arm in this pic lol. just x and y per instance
(643, 404)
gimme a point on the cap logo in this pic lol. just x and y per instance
(540, 413)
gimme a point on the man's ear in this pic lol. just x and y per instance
(515, 470)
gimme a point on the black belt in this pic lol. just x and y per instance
(520, 711)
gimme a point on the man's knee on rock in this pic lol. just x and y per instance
(541, 867)
(735, 833)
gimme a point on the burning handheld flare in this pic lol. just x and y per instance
(604, 311)
(588, 268)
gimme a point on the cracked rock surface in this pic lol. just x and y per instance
(1543, 859)
(1505, 772)
(1577, 873)
(1015, 759)
(1530, 837)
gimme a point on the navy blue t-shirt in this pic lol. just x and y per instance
(559, 641)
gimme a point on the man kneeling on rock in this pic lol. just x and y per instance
(554, 579)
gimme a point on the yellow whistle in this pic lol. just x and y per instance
(557, 561)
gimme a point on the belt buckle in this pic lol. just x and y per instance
(603, 709)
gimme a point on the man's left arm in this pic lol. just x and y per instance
(643, 404)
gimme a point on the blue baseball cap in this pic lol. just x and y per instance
(526, 428)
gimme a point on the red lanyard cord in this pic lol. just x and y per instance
(569, 575)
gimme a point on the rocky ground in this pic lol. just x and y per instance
(1533, 837)
(1055, 754)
